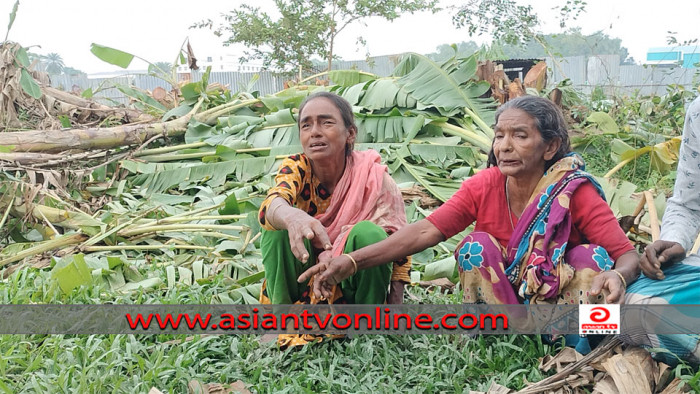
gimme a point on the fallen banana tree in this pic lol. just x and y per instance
(428, 123)
(51, 141)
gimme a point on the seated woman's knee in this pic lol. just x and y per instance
(366, 233)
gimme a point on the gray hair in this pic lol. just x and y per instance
(549, 121)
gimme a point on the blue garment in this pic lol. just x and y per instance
(681, 224)
(680, 287)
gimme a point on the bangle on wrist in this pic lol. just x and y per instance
(622, 278)
(354, 263)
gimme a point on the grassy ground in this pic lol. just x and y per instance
(135, 363)
(127, 363)
(368, 363)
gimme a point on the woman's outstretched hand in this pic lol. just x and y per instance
(611, 282)
(301, 226)
(328, 274)
(660, 254)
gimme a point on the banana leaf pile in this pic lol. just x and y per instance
(154, 204)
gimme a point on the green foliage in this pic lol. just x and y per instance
(160, 70)
(504, 19)
(641, 130)
(447, 51)
(428, 124)
(13, 15)
(29, 84)
(168, 362)
(71, 273)
(304, 29)
(507, 21)
(111, 55)
(569, 43)
(160, 67)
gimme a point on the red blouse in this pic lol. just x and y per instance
(482, 198)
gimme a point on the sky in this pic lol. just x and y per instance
(156, 29)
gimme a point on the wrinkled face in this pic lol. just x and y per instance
(322, 132)
(518, 144)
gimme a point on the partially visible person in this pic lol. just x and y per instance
(543, 233)
(671, 276)
(327, 202)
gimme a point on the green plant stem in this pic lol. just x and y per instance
(209, 116)
(198, 211)
(277, 126)
(618, 167)
(99, 237)
(196, 155)
(471, 137)
(191, 219)
(216, 234)
(144, 247)
(179, 227)
(176, 157)
(7, 212)
(45, 247)
(168, 149)
(486, 128)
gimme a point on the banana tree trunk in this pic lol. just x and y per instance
(87, 107)
(25, 158)
(52, 141)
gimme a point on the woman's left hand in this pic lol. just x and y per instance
(328, 274)
(611, 282)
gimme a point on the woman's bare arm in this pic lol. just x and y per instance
(408, 240)
(300, 225)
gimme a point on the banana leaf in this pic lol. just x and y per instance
(449, 88)
(350, 77)
(212, 174)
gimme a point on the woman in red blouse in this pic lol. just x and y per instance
(543, 231)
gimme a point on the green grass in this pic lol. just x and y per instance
(364, 363)
(135, 363)
(369, 363)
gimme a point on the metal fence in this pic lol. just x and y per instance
(380, 65)
(606, 72)
(266, 83)
(602, 71)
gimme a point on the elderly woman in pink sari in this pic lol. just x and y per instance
(327, 202)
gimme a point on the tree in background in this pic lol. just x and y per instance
(165, 66)
(510, 23)
(305, 27)
(446, 51)
(73, 71)
(571, 43)
(54, 63)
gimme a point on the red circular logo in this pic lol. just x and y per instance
(600, 314)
